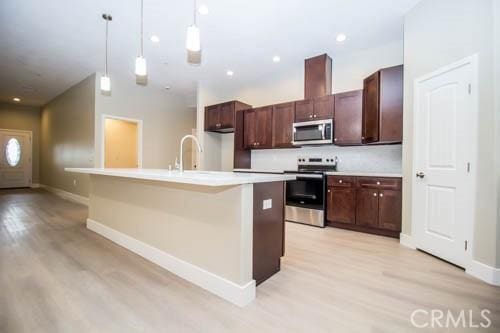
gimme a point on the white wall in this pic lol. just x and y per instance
(165, 116)
(439, 32)
(496, 41)
(288, 85)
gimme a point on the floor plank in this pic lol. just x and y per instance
(57, 276)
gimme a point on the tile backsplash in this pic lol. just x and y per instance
(383, 158)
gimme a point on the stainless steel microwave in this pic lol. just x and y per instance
(318, 132)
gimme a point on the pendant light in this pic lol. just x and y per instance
(141, 72)
(193, 41)
(105, 81)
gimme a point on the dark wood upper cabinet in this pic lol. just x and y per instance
(304, 110)
(242, 158)
(348, 116)
(249, 131)
(264, 126)
(315, 109)
(221, 117)
(258, 128)
(324, 107)
(212, 117)
(382, 120)
(283, 118)
(318, 77)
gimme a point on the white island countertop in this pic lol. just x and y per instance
(204, 178)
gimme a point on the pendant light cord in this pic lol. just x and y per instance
(142, 28)
(106, 63)
(194, 12)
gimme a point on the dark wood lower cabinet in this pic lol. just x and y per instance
(268, 230)
(344, 210)
(366, 204)
(389, 210)
(367, 207)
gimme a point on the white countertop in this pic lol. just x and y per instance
(260, 171)
(364, 174)
(205, 178)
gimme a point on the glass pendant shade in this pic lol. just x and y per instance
(141, 66)
(105, 83)
(193, 42)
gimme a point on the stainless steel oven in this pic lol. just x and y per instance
(313, 132)
(305, 196)
(305, 199)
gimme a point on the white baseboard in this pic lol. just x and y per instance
(35, 185)
(240, 295)
(67, 195)
(484, 272)
(406, 240)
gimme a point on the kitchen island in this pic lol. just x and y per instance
(222, 231)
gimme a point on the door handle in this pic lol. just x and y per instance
(420, 175)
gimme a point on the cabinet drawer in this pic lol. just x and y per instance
(341, 181)
(379, 183)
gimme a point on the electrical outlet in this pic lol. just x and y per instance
(74, 182)
(267, 204)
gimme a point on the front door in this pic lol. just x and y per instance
(15, 158)
(444, 143)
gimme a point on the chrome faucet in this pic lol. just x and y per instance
(195, 139)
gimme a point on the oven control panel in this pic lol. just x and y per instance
(317, 160)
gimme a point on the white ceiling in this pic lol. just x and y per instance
(47, 46)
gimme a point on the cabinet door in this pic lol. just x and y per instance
(391, 104)
(389, 215)
(323, 107)
(370, 123)
(367, 207)
(283, 117)
(264, 127)
(226, 115)
(304, 110)
(341, 205)
(212, 117)
(348, 116)
(249, 138)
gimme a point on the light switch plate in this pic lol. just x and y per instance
(267, 204)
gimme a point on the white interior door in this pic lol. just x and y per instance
(15, 158)
(443, 187)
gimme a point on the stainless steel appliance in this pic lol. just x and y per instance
(316, 132)
(305, 196)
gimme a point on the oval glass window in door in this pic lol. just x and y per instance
(13, 152)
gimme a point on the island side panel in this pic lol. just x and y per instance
(204, 226)
(268, 229)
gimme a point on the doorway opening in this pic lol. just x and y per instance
(121, 145)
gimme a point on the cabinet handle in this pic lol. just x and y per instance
(335, 139)
(381, 195)
(378, 183)
(310, 116)
(374, 194)
(340, 181)
(329, 191)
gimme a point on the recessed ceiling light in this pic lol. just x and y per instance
(276, 59)
(155, 39)
(167, 87)
(341, 37)
(203, 9)
(16, 99)
(229, 73)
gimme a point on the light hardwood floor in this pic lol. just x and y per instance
(57, 276)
